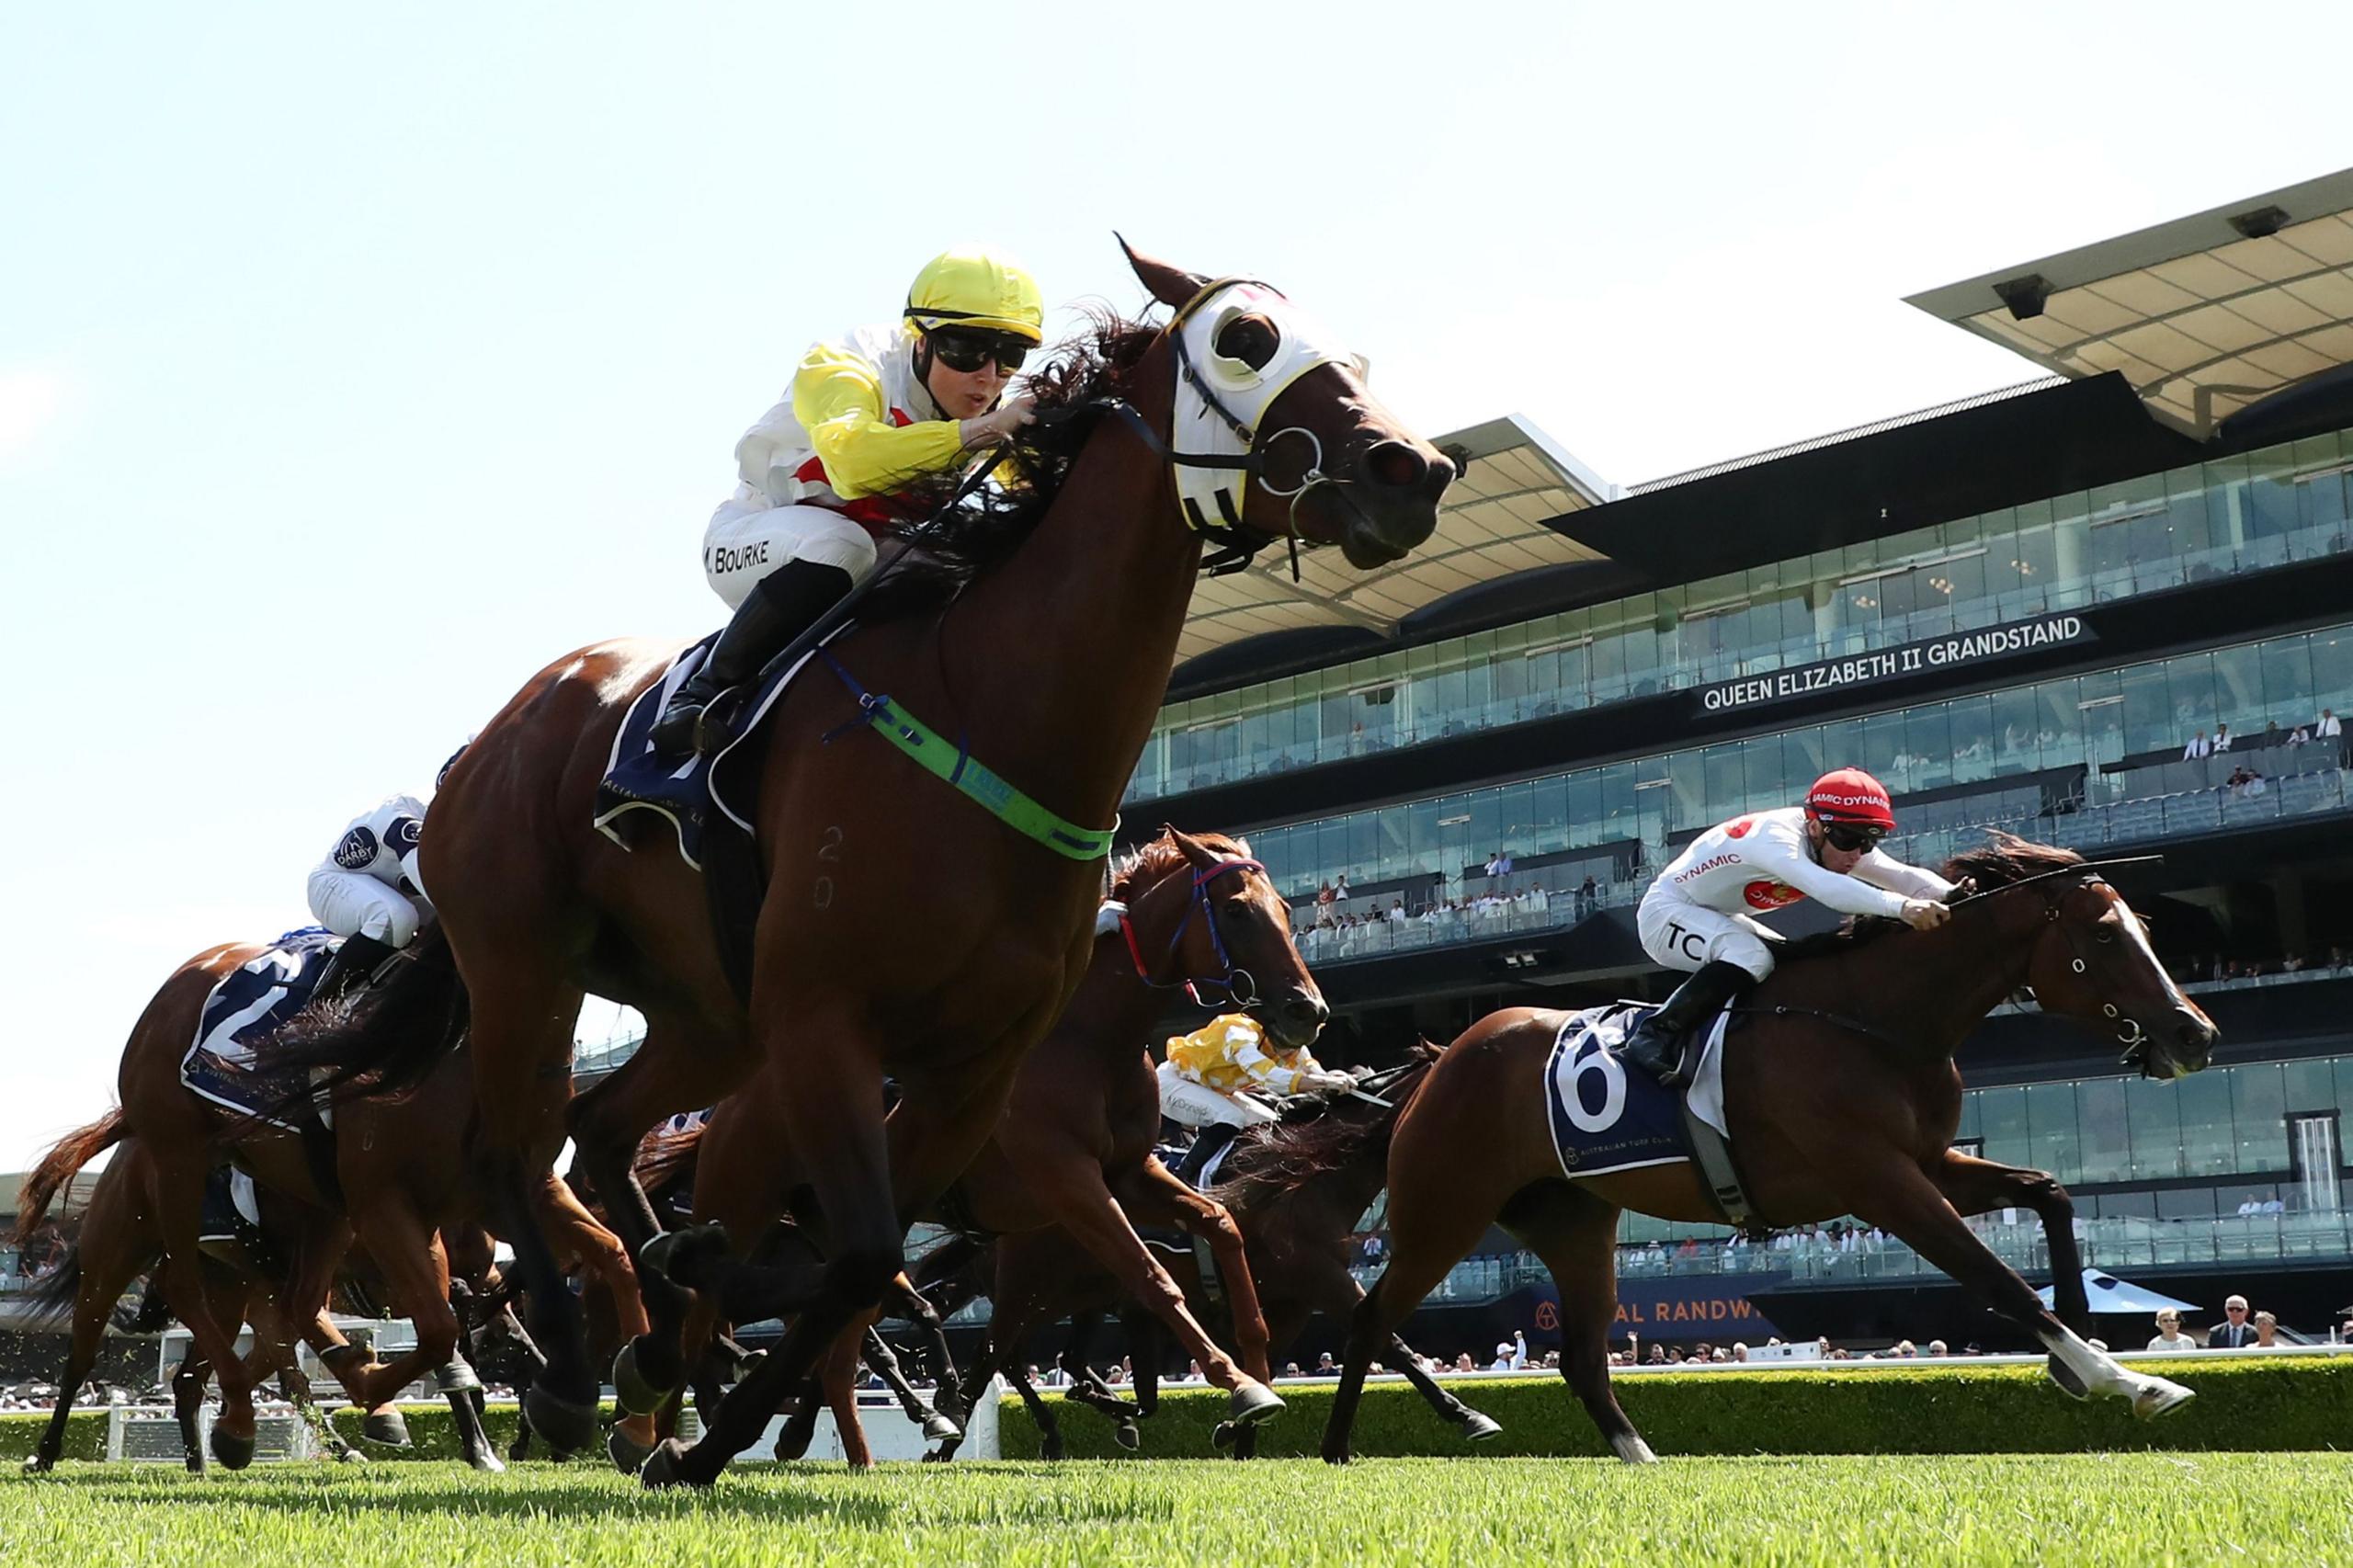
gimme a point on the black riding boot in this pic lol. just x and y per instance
(1694, 1003)
(781, 607)
(352, 966)
(1206, 1144)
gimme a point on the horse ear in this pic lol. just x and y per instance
(1199, 854)
(1172, 286)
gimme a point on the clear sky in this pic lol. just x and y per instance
(354, 364)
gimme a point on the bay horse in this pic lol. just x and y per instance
(1073, 1148)
(399, 1175)
(118, 1239)
(903, 933)
(1842, 1098)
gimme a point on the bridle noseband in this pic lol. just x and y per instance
(2130, 1031)
(1240, 987)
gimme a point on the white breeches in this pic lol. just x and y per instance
(745, 544)
(1197, 1105)
(1683, 935)
(350, 905)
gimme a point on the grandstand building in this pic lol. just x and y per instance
(2019, 610)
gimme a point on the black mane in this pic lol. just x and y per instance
(988, 526)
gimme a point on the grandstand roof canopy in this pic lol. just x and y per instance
(1501, 517)
(2205, 315)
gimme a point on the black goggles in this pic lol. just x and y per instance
(966, 352)
(1851, 836)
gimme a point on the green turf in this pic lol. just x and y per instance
(2256, 1508)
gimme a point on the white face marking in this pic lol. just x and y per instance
(2139, 934)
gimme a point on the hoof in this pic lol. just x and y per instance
(665, 1466)
(942, 1455)
(232, 1452)
(458, 1376)
(951, 1403)
(349, 1456)
(569, 1426)
(487, 1462)
(937, 1429)
(1335, 1454)
(39, 1464)
(678, 1255)
(1252, 1403)
(2159, 1397)
(1222, 1438)
(1478, 1428)
(629, 1455)
(1631, 1447)
(2064, 1376)
(1126, 1436)
(638, 1388)
(387, 1426)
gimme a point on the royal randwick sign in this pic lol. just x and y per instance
(1893, 663)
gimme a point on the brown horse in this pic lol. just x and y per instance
(400, 1167)
(1296, 1192)
(1842, 1098)
(904, 933)
(119, 1239)
(1073, 1147)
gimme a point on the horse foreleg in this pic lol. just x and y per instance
(1084, 1207)
(949, 1404)
(1154, 1196)
(187, 1405)
(838, 1378)
(1895, 1194)
(174, 1195)
(1975, 1186)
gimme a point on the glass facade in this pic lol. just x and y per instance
(1635, 808)
(2268, 508)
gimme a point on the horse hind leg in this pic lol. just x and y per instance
(1575, 1234)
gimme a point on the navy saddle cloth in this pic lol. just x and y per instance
(1606, 1116)
(247, 1007)
(640, 786)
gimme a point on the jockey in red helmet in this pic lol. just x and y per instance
(1696, 917)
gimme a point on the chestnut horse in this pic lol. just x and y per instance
(1296, 1192)
(400, 1170)
(1842, 1098)
(119, 1238)
(905, 932)
(1074, 1148)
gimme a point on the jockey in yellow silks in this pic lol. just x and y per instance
(870, 415)
(1207, 1078)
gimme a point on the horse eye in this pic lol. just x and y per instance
(1251, 339)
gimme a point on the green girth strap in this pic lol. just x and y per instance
(956, 767)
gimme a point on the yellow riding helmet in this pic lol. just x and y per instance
(975, 288)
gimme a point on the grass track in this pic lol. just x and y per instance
(1975, 1510)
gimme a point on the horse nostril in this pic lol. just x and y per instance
(1395, 463)
(1306, 1012)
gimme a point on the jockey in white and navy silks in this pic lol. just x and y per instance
(368, 891)
(1697, 915)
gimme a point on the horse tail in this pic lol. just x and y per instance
(50, 1300)
(54, 1174)
(387, 1038)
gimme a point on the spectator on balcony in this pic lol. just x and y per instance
(2266, 1332)
(1340, 888)
(2298, 736)
(1324, 895)
(2234, 1332)
(1499, 864)
(2222, 739)
(2271, 737)
(1588, 896)
(2254, 1205)
(2199, 748)
(2328, 728)
(2169, 1335)
(2337, 961)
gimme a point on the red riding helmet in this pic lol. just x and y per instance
(1850, 795)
